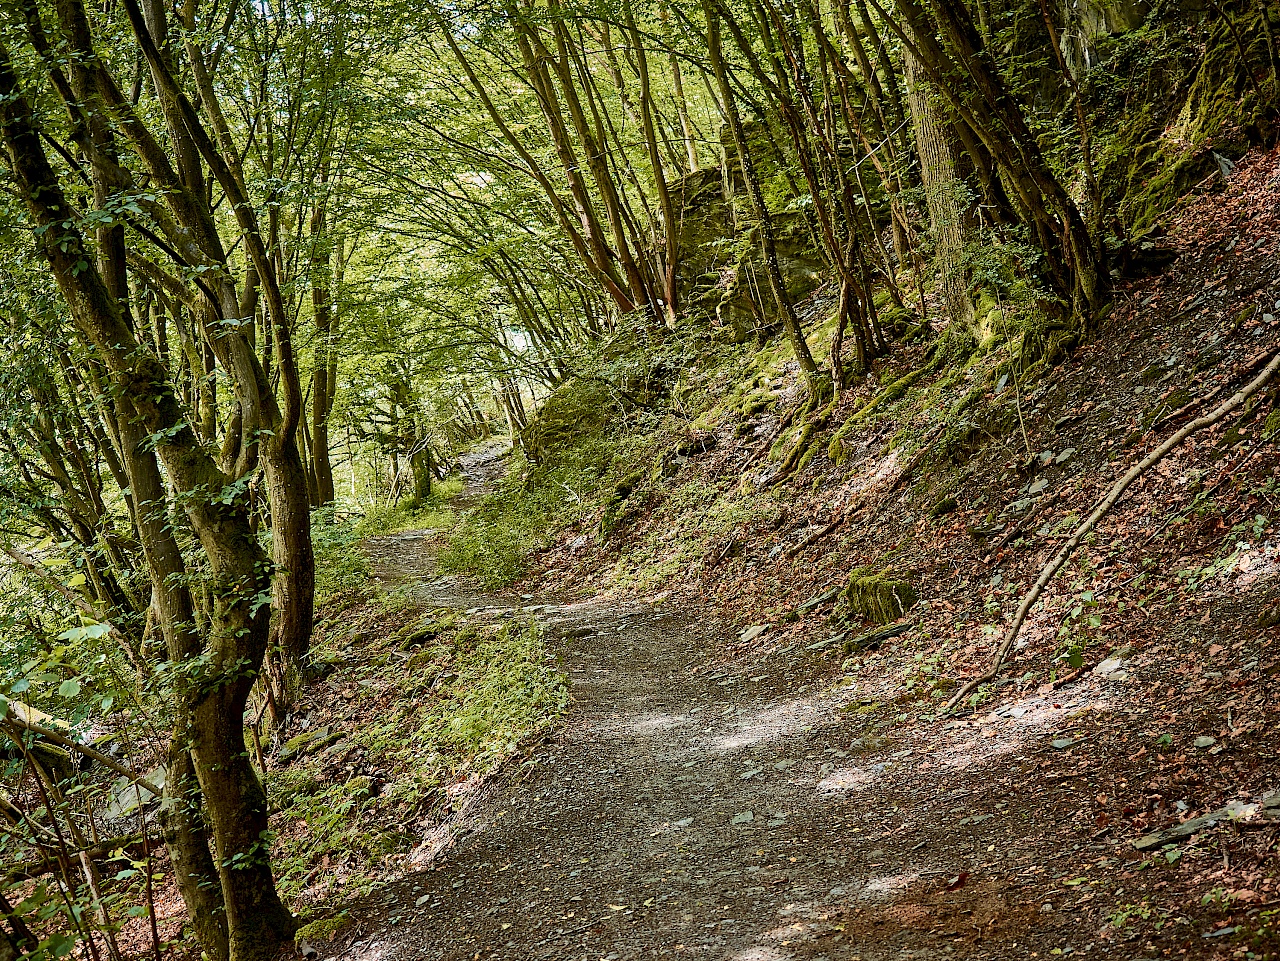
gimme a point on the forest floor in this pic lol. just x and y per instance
(723, 787)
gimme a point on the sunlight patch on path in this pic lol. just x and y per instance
(1009, 728)
(888, 885)
(763, 953)
(765, 724)
(656, 723)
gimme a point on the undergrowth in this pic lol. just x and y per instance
(494, 542)
(340, 566)
(460, 707)
(416, 702)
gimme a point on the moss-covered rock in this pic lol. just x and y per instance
(323, 929)
(308, 742)
(419, 632)
(1182, 95)
(943, 507)
(880, 596)
(721, 271)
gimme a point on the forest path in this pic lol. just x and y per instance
(686, 806)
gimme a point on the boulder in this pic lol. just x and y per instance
(60, 763)
(879, 596)
(721, 269)
(126, 797)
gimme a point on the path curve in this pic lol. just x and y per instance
(687, 807)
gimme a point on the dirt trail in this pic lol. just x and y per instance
(740, 811)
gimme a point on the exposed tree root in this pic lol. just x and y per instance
(807, 433)
(1051, 569)
(769, 441)
(889, 394)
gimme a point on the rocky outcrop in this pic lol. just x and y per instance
(721, 270)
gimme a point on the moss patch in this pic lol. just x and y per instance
(879, 596)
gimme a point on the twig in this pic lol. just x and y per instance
(1051, 569)
(1064, 681)
(34, 869)
(1021, 526)
(816, 536)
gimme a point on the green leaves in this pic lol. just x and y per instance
(85, 632)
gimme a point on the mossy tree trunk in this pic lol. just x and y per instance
(946, 45)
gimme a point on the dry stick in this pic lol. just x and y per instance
(1245, 368)
(1123, 484)
(1020, 527)
(15, 720)
(816, 536)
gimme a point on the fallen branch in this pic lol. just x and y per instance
(1064, 681)
(877, 637)
(1051, 569)
(29, 871)
(816, 536)
(17, 721)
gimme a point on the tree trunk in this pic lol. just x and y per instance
(420, 466)
(790, 323)
(321, 385)
(943, 191)
(223, 666)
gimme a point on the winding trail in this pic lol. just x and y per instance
(719, 810)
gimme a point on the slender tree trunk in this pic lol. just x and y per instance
(671, 261)
(321, 398)
(790, 323)
(943, 190)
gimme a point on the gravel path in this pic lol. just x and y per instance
(683, 807)
(688, 806)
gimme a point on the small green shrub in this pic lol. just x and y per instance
(465, 705)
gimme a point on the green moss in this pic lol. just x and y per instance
(943, 507)
(897, 322)
(1193, 95)
(880, 596)
(323, 929)
(1271, 426)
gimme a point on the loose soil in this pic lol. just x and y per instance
(695, 806)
